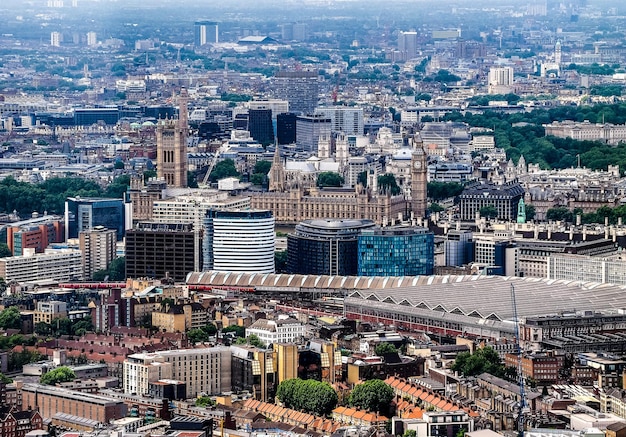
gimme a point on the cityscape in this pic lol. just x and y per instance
(321, 218)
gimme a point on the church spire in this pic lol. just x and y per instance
(277, 172)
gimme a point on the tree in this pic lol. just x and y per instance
(204, 401)
(5, 379)
(197, 335)
(44, 329)
(385, 348)
(388, 182)
(560, 213)
(117, 269)
(10, 318)
(262, 167)
(258, 179)
(489, 212)
(410, 433)
(362, 178)
(329, 179)
(192, 182)
(280, 261)
(310, 396)
(239, 331)
(373, 395)
(149, 174)
(210, 329)
(530, 212)
(435, 207)
(5, 251)
(482, 360)
(224, 169)
(18, 359)
(254, 340)
(443, 190)
(60, 374)
(118, 188)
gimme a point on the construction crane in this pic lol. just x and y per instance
(522, 408)
(210, 168)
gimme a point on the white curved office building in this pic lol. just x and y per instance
(239, 241)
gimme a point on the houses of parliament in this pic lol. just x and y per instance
(293, 198)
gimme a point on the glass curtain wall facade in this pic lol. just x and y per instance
(396, 252)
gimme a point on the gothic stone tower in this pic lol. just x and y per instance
(418, 180)
(171, 136)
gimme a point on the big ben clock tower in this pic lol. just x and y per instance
(418, 179)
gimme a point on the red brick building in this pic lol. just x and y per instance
(543, 367)
(51, 400)
(14, 423)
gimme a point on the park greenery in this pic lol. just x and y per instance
(309, 395)
(51, 194)
(373, 395)
(523, 134)
(58, 375)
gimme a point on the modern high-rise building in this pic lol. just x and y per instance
(458, 248)
(286, 128)
(407, 44)
(309, 129)
(239, 241)
(348, 120)
(171, 137)
(205, 32)
(157, 250)
(396, 251)
(325, 247)
(98, 247)
(501, 76)
(55, 39)
(84, 214)
(92, 39)
(260, 126)
(299, 88)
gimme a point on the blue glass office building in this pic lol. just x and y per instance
(83, 214)
(396, 251)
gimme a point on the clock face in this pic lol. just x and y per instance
(418, 164)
